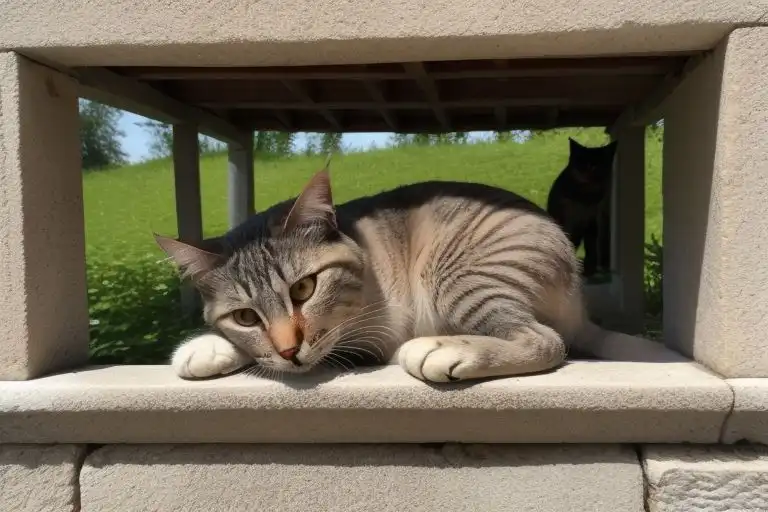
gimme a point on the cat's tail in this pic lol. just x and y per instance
(616, 346)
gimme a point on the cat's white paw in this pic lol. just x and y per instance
(438, 359)
(205, 356)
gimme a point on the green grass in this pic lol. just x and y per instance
(123, 207)
(135, 317)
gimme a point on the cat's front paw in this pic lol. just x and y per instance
(205, 356)
(438, 359)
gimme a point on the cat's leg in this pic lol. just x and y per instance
(207, 355)
(526, 349)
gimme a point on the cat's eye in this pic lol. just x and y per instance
(246, 317)
(303, 289)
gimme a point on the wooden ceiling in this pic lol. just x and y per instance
(415, 97)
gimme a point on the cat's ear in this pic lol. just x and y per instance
(574, 145)
(315, 203)
(192, 260)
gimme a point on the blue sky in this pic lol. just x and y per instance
(136, 140)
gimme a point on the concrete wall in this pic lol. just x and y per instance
(716, 209)
(290, 32)
(43, 302)
(431, 477)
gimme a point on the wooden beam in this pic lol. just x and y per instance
(300, 90)
(428, 86)
(131, 95)
(377, 94)
(284, 118)
(372, 122)
(442, 70)
(500, 112)
(420, 105)
(646, 111)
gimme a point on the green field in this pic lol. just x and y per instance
(133, 297)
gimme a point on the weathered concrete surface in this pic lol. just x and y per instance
(374, 478)
(706, 478)
(716, 209)
(749, 419)
(584, 401)
(40, 478)
(290, 32)
(43, 302)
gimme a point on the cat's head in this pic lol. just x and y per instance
(279, 286)
(591, 165)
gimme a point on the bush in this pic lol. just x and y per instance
(134, 310)
(654, 298)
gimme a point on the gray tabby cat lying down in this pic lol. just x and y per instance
(454, 281)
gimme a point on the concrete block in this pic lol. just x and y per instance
(40, 478)
(43, 301)
(706, 478)
(749, 419)
(373, 478)
(582, 402)
(295, 32)
(715, 209)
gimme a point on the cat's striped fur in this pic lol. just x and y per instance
(453, 280)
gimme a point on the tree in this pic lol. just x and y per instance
(331, 143)
(99, 136)
(161, 145)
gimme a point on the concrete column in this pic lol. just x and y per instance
(628, 229)
(241, 203)
(189, 217)
(715, 187)
(43, 300)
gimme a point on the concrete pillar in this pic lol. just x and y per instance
(628, 229)
(43, 300)
(715, 188)
(241, 202)
(189, 217)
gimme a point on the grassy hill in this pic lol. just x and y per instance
(134, 313)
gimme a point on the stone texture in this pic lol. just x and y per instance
(40, 478)
(289, 32)
(716, 209)
(373, 478)
(706, 478)
(583, 401)
(749, 419)
(43, 302)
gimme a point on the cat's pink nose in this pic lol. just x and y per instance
(289, 353)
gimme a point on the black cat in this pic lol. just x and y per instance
(579, 201)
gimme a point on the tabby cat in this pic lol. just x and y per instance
(479, 280)
(579, 202)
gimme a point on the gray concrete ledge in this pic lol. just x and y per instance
(40, 478)
(706, 478)
(749, 419)
(374, 478)
(292, 32)
(582, 402)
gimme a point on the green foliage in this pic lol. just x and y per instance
(654, 297)
(134, 299)
(99, 136)
(134, 311)
(161, 142)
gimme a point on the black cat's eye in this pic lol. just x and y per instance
(303, 289)
(246, 317)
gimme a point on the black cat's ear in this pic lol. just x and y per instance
(315, 203)
(193, 260)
